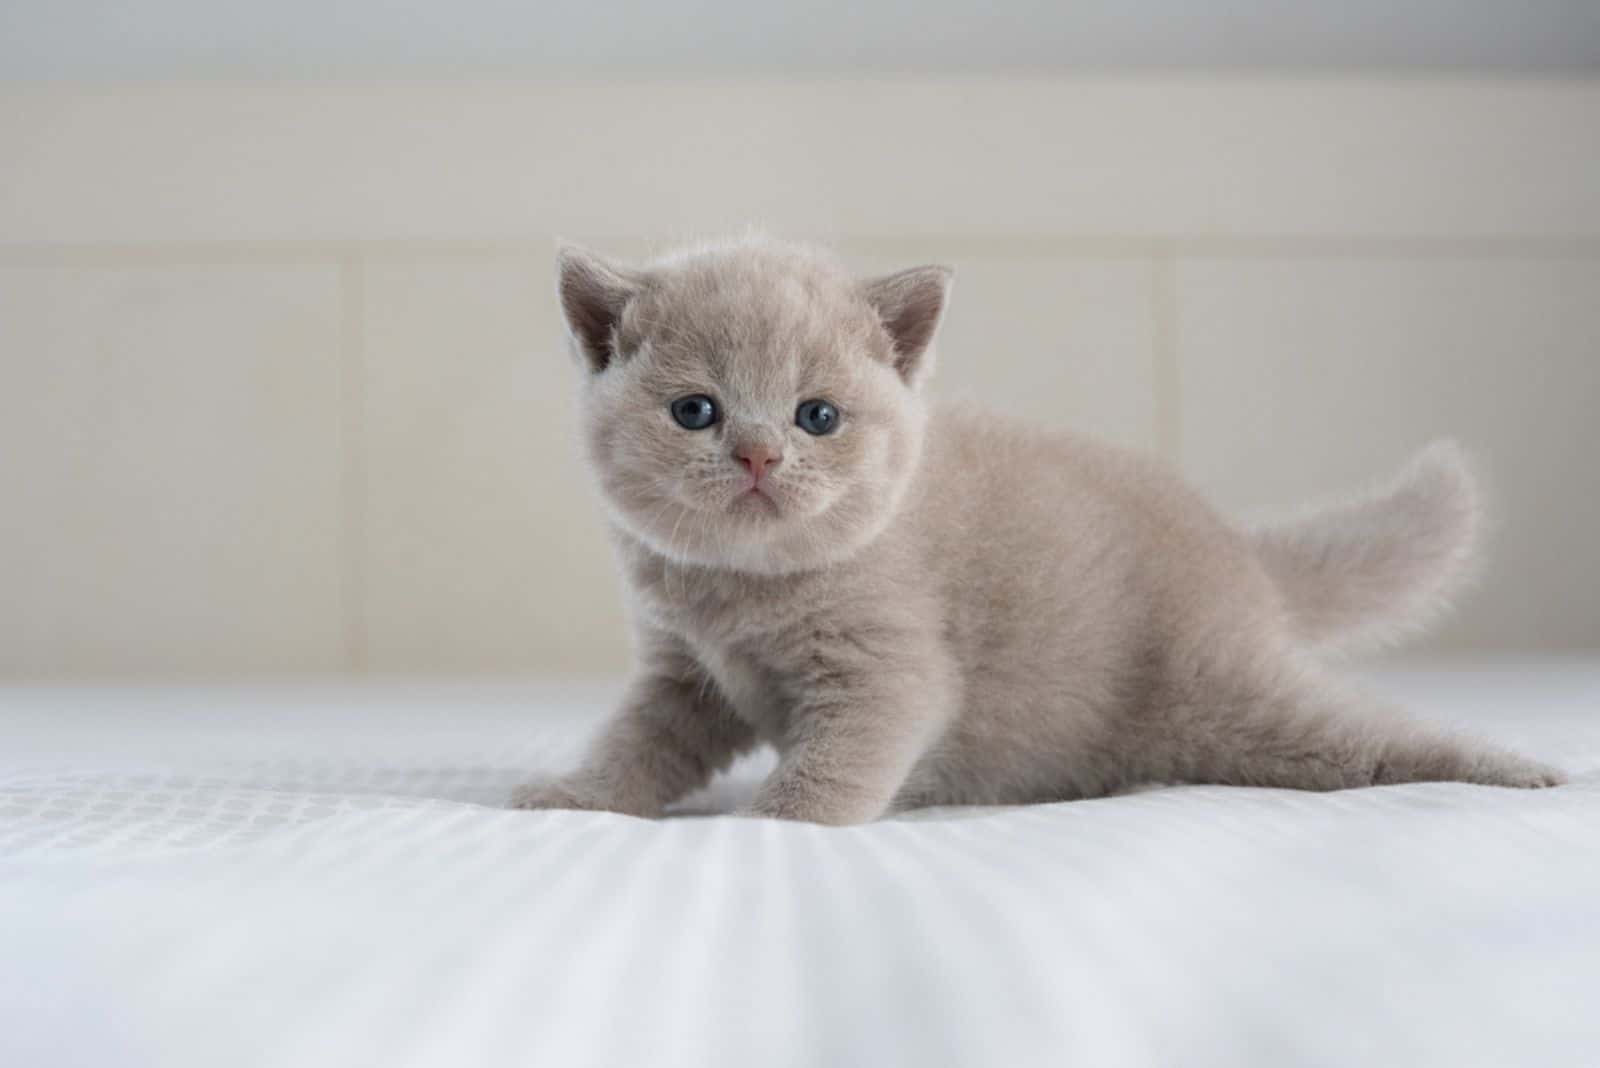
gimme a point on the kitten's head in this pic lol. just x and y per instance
(751, 406)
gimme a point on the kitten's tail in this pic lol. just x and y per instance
(1372, 567)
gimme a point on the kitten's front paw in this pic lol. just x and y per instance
(810, 810)
(580, 795)
(536, 795)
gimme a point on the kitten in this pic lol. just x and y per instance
(919, 605)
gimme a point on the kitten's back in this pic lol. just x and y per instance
(1039, 515)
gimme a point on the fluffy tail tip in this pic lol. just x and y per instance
(1373, 567)
(1442, 482)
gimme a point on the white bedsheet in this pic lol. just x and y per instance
(305, 876)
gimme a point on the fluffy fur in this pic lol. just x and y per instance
(936, 606)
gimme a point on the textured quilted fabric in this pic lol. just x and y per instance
(306, 876)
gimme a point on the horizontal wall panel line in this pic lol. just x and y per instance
(224, 253)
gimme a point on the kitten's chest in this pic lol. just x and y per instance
(751, 687)
(739, 633)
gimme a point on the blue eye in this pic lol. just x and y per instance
(694, 412)
(817, 417)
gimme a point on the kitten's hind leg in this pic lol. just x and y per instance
(1297, 728)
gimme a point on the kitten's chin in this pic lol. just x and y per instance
(758, 534)
(754, 505)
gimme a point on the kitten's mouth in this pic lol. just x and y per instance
(756, 500)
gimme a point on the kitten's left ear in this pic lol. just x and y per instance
(910, 304)
(593, 296)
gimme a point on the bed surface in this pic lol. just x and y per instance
(318, 875)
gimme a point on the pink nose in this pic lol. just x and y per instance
(758, 460)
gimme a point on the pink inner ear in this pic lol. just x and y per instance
(910, 304)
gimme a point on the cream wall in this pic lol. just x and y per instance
(282, 390)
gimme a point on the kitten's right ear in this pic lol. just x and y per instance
(910, 304)
(593, 295)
